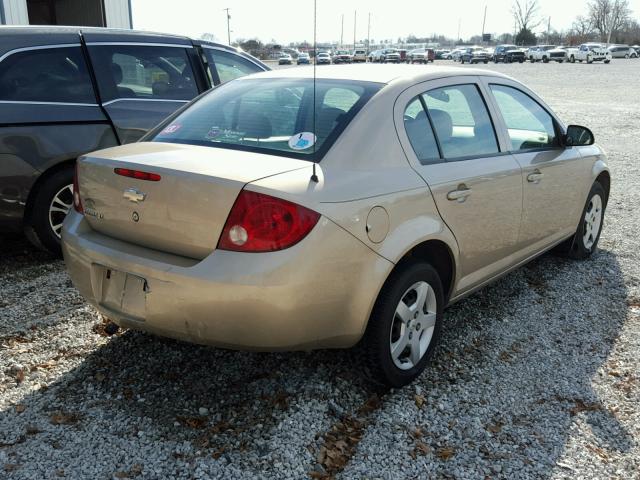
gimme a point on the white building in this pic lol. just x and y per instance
(86, 13)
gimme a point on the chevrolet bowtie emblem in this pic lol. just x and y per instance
(134, 195)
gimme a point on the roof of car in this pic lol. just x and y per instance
(14, 37)
(377, 73)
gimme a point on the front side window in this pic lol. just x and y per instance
(529, 125)
(48, 75)
(143, 72)
(229, 65)
(461, 121)
(271, 116)
(420, 133)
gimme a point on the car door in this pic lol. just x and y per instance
(451, 142)
(140, 84)
(552, 200)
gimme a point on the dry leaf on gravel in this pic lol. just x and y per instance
(495, 427)
(445, 453)
(64, 418)
(20, 408)
(581, 406)
(419, 400)
(192, 422)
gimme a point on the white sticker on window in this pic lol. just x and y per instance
(302, 141)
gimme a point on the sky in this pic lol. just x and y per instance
(292, 20)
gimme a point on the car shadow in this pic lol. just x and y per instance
(521, 355)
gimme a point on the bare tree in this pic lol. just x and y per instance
(582, 26)
(526, 14)
(608, 16)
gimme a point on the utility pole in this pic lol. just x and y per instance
(459, 22)
(369, 33)
(484, 20)
(548, 29)
(355, 16)
(342, 31)
(228, 28)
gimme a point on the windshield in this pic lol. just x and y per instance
(271, 115)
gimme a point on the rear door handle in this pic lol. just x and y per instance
(460, 194)
(535, 177)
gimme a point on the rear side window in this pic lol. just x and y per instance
(461, 121)
(143, 72)
(229, 66)
(420, 134)
(46, 75)
(529, 125)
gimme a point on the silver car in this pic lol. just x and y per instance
(258, 218)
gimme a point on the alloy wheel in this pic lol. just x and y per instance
(592, 221)
(413, 325)
(59, 208)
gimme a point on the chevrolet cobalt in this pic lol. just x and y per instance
(286, 212)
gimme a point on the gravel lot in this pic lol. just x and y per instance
(538, 375)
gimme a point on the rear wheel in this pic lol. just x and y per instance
(572, 59)
(584, 242)
(51, 203)
(405, 324)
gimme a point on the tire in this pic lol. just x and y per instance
(486, 61)
(545, 60)
(584, 242)
(39, 228)
(385, 324)
(626, 56)
(607, 61)
(521, 60)
(572, 59)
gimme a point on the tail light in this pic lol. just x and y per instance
(77, 202)
(262, 223)
(137, 174)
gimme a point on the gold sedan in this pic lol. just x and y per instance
(283, 211)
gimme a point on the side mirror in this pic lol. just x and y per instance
(578, 136)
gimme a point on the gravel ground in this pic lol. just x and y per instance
(538, 375)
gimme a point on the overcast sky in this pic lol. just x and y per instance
(292, 20)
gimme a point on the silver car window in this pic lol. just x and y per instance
(420, 133)
(529, 125)
(461, 121)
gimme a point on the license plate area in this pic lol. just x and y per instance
(123, 292)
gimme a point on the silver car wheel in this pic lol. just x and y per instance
(59, 208)
(413, 325)
(592, 221)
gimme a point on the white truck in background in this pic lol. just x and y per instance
(589, 52)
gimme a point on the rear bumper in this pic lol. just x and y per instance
(316, 294)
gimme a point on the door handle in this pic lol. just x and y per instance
(460, 194)
(535, 177)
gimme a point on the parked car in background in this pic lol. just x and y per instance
(403, 55)
(637, 49)
(508, 54)
(342, 56)
(390, 55)
(63, 94)
(371, 57)
(456, 54)
(589, 52)
(323, 58)
(266, 227)
(547, 53)
(475, 55)
(359, 55)
(622, 51)
(421, 55)
(441, 54)
(285, 59)
(303, 59)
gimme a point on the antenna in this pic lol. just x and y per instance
(314, 177)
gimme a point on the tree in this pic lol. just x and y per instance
(526, 13)
(608, 16)
(525, 37)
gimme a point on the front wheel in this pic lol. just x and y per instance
(584, 242)
(405, 324)
(572, 59)
(607, 61)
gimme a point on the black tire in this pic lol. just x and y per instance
(38, 227)
(575, 246)
(376, 343)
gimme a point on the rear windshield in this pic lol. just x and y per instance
(273, 116)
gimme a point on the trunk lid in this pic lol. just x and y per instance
(184, 212)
